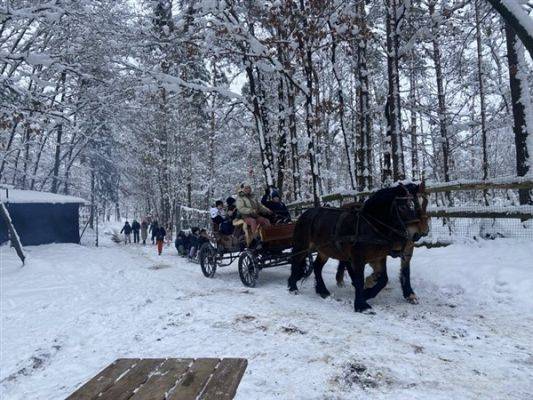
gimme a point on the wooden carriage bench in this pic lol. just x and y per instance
(165, 379)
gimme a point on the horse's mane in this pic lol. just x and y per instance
(379, 203)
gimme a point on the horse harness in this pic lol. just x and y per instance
(372, 222)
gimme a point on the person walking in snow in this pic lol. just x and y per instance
(160, 238)
(154, 226)
(135, 227)
(144, 231)
(126, 229)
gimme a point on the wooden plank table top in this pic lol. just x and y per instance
(165, 379)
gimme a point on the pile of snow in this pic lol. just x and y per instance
(73, 310)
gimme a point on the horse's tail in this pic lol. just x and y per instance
(301, 246)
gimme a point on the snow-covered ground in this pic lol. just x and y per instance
(72, 310)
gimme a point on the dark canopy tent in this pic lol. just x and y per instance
(41, 217)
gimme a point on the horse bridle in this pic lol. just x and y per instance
(402, 232)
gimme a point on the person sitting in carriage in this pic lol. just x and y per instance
(197, 238)
(217, 215)
(182, 243)
(226, 226)
(250, 209)
(280, 210)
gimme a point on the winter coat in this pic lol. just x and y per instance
(144, 230)
(153, 228)
(135, 226)
(248, 206)
(126, 229)
(160, 233)
(279, 208)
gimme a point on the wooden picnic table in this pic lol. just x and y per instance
(165, 379)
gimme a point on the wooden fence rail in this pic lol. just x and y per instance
(508, 183)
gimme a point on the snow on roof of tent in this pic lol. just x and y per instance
(33, 196)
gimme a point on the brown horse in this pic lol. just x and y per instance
(389, 222)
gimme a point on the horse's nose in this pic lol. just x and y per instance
(416, 237)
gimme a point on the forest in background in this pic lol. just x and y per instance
(147, 104)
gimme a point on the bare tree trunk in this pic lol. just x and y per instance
(482, 106)
(91, 218)
(415, 169)
(442, 109)
(57, 158)
(364, 125)
(8, 148)
(269, 154)
(282, 136)
(521, 105)
(517, 20)
(340, 97)
(307, 60)
(258, 118)
(293, 136)
(393, 113)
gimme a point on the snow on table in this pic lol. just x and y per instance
(74, 309)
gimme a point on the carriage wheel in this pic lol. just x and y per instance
(208, 260)
(248, 268)
(308, 268)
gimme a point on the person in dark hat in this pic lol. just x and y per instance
(272, 200)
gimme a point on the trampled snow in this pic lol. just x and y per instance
(72, 310)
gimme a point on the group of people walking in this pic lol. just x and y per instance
(141, 230)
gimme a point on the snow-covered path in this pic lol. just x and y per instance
(72, 310)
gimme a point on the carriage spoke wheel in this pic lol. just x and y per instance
(248, 268)
(308, 268)
(208, 260)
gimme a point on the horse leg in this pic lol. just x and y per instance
(357, 273)
(378, 280)
(405, 277)
(339, 277)
(320, 286)
(297, 270)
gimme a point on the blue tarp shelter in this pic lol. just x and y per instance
(41, 217)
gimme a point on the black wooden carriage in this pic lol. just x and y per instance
(274, 251)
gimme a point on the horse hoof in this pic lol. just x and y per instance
(324, 295)
(360, 307)
(412, 299)
(293, 291)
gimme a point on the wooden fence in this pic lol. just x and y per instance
(469, 217)
(466, 211)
